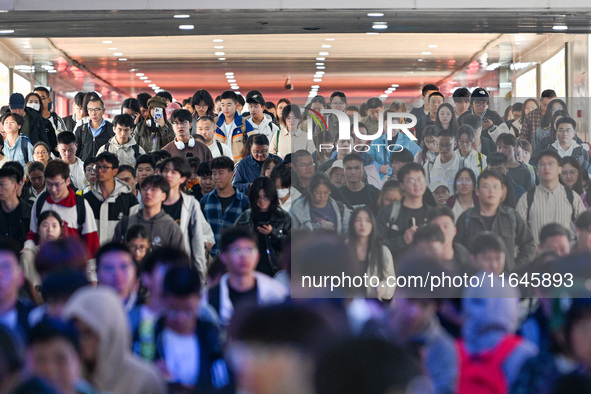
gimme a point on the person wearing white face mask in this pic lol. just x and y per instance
(281, 177)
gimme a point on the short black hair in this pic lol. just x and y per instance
(35, 166)
(181, 282)
(507, 139)
(128, 168)
(567, 119)
(548, 93)
(138, 231)
(146, 158)
(181, 115)
(260, 139)
(17, 118)
(461, 94)
(441, 211)
(583, 222)
(41, 89)
(407, 168)
(490, 174)
(157, 181)
(132, 104)
(233, 234)
(165, 95)
(429, 233)
(552, 230)
(517, 107)
(436, 94)
(447, 133)
(79, 98)
(222, 162)
(204, 169)
(229, 94)
(352, 157)
(194, 163)
(488, 241)
(166, 255)
(548, 153)
(472, 120)
(55, 168)
(180, 164)
(283, 173)
(374, 102)
(123, 120)
(49, 329)
(160, 155)
(318, 99)
(404, 156)
(143, 98)
(338, 94)
(465, 129)
(110, 158)
(497, 158)
(89, 162)
(240, 99)
(108, 248)
(18, 167)
(10, 173)
(428, 87)
(66, 138)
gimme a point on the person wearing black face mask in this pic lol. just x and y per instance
(47, 110)
(249, 168)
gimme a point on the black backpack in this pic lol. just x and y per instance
(569, 195)
(80, 209)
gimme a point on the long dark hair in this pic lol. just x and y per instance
(268, 187)
(203, 95)
(453, 124)
(429, 131)
(510, 200)
(470, 174)
(548, 115)
(375, 257)
(578, 186)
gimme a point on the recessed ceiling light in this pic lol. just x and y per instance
(52, 71)
(118, 54)
(320, 67)
(433, 46)
(320, 64)
(122, 59)
(142, 78)
(182, 16)
(317, 80)
(231, 80)
(139, 74)
(323, 53)
(218, 47)
(372, 33)
(219, 53)
(393, 89)
(218, 40)
(375, 14)
(326, 46)
(229, 73)
(395, 85)
(152, 85)
(186, 27)
(380, 26)
(320, 58)
(426, 53)
(315, 87)
(420, 60)
(330, 39)
(221, 58)
(107, 42)
(555, 27)
(320, 72)
(147, 81)
(235, 87)
(384, 96)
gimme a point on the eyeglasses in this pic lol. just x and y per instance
(570, 173)
(447, 146)
(465, 142)
(95, 109)
(41, 153)
(102, 168)
(464, 182)
(564, 130)
(183, 123)
(480, 103)
(50, 185)
(431, 142)
(242, 251)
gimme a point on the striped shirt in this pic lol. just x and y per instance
(550, 206)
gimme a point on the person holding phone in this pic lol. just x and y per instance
(156, 131)
(268, 221)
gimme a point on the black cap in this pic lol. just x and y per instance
(479, 93)
(254, 96)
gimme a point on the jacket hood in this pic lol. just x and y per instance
(490, 312)
(126, 146)
(160, 217)
(120, 188)
(101, 309)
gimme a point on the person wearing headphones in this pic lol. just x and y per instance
(184, 145)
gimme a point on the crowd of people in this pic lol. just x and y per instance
(153, 252)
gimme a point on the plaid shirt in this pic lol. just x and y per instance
(218, 220)
(531, 123)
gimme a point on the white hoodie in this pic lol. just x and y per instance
(267, 127)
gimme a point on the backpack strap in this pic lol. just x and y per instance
(479, 158)
(219, 145)
(395, 212)
(278, 132)
(80, 212)
(504, 348)
(40, 202)
(571, 198)
(512, 217)
(136, 150)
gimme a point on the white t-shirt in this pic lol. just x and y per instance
(215, 151)
(77, 174)
(182, 356)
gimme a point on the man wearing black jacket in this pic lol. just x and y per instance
(90, 137)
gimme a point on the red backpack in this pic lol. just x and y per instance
(482, 373)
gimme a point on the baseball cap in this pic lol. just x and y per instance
(440, 182)
(255, 98)
(335, 164)
(479, 93)
(16, 101)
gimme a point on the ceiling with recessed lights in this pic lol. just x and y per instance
(121, 53)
